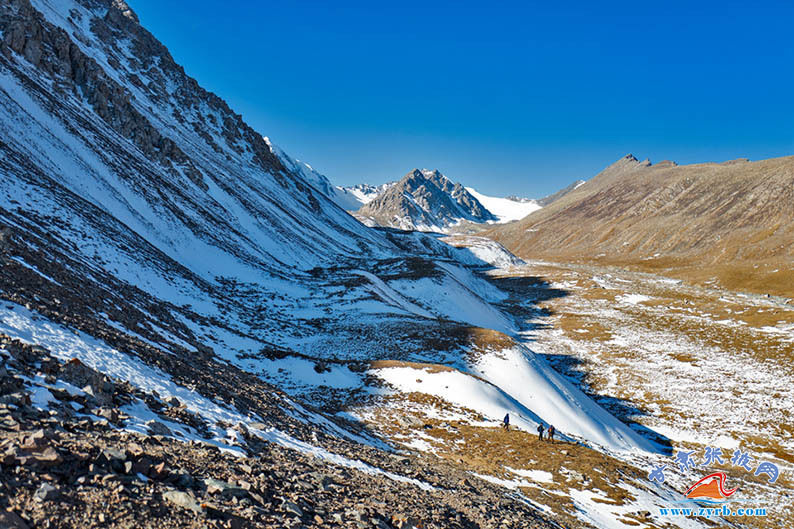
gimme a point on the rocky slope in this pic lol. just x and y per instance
(424, 200)
(545, 201)
(348, 200)
(732, 221)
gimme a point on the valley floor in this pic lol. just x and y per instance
(693, 367)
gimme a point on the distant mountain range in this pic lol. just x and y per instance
(423, 199)
(427, 200)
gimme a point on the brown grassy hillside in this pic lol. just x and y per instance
(730, 221)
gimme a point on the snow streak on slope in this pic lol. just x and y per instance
(531, 381)
(484, 251)
(506, 209)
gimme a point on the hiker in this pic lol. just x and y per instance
(550, 436)
(506, 423)
(540, 431)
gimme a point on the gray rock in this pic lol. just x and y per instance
(113, 454)
(47, 458)
(46, 492)
(215, 486)
(111, 414)
(158, 428)
(11, 520)
(182, 499)
(293, 508)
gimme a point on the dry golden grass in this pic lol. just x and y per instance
(430, 368)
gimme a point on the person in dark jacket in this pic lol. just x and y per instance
(506, 423)
(540, 431)
(550, 435)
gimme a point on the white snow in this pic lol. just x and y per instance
(449, 298)
(283, 439)
(540, 476)
(302, 371)
(366, 193)
(389, 296)
(511, 484)
(478, 250)
(507, 210)
(604, 515)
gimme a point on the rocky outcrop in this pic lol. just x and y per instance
(63, 466)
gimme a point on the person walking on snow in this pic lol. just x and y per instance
(550, 435)
(540, 431)
(506, 423)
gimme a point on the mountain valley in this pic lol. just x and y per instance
(199, 330)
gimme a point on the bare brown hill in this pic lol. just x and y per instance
(730, 221)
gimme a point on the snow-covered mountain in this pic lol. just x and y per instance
(424, 200)
(149, 236)
(120, 174)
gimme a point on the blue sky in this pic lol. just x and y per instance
(508, 97)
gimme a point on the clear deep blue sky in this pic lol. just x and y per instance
(509, 97)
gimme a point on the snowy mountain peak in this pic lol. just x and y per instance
(424, 200)
(411, 204)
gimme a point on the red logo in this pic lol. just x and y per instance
(711, 486)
